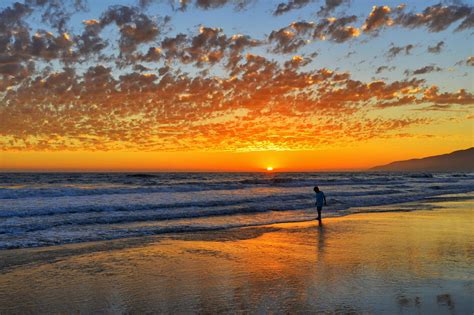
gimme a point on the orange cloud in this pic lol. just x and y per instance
(206, 90)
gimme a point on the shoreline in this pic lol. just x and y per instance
(426, 204)
(408, 206)
(382, 258)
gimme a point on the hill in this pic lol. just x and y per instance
(457, 161)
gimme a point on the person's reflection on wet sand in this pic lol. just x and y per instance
(320, 235)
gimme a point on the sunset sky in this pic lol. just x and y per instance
(232, 85)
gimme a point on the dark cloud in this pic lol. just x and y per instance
(47, 46)
(296, 62)
(435, 18)
(423, 70)
(13, 16)
(437, 48)
(289, 39)
(349, 54)
(290, 5)
(468, 22)
(11, 69)
(461, 97)
(209, 4)
(379, 17)
(384, 68)
(144, 4)
(140, 68)
(90, 41)
(338, 31)
(208, 47)
(57, 13)
(15, 37)
(470, 61)
(434, 99)
(135, 27)
(438, 17)
(330, 5)
(153, 54)
(396, 50)
(401, 101)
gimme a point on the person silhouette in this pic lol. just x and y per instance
(320, 201)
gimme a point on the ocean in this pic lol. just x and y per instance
(45, 209)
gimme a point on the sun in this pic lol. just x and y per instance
(269, 168)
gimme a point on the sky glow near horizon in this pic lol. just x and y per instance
(296, 84)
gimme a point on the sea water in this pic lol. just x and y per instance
(42, 209)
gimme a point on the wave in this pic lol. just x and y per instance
(421, 175)
(88, 233)
(110, 203)
(127, 217)
(58, 239)
(146, 187)
(111, 213)
(142, 175)
(45, 209)
(104, 207)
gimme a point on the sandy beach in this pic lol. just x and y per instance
(393, 262)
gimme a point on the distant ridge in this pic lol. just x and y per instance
(457, 161)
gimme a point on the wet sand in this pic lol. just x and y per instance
(394, 262)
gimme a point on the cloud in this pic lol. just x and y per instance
(125, 79)
(169, 110)
(337, 29)
(331, 5)
(435, 18)
(12, 16)
(11, 69)
(289, 39)
(290, 5)
(432, 97)
(423, 70)
(18, 38)
(211, 4)
(57, 13)
(396, 50)
(379, 17)
(437, 48)
(468, 22)
(461, 97)
(296, 62)
(438, 17)
(47, 46)
(90, 42)
(384, 68)
(210, 46)
(183, 5)
(135, 27)
(470, 61)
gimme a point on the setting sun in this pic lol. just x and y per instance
(269, 168)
